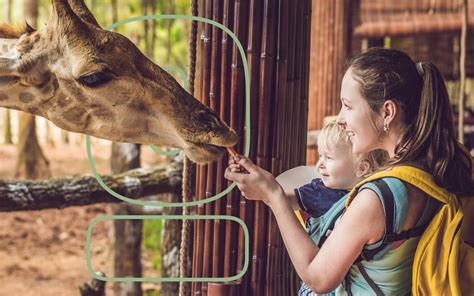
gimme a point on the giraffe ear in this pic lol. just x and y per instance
(81, 10)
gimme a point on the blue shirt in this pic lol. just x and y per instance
(316, 199)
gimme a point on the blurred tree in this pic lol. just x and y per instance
(49, 134)
(146, 27)
(31, 162)
(170, 9)
(7, 4)
(153, 30)
(127, 234)
(64, 137)
(7, 136)
(114, 11)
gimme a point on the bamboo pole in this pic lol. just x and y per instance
(297, 123)
(209, 257)
(279, 136)
(305, 79)
(229, 227)
(292, 85)
(462, 72)
(264, 152)
(201, 178)
(215, 105)
(207, 170)
(253, 51)
(226, 56)
(244, 208)
(197, 234)
(236, 92)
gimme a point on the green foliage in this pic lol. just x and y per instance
(171, 45)
(152, 240)
(152, 293)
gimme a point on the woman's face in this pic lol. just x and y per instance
(357, 118)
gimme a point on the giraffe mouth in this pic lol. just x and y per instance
(204, 153)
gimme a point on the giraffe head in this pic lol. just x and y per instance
(89, 80)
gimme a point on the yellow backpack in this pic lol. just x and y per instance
(444, 260)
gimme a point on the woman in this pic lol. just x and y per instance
(390, 103)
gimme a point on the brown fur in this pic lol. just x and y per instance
(9, 32)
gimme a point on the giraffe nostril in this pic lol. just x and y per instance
(208, 118)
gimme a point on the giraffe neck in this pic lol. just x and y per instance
(14, 95)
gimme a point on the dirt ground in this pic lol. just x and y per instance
(44, 252)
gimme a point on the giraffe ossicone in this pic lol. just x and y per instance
(89, 80)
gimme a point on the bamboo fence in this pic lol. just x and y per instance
(276, 37)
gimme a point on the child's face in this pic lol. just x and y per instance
(337, 167)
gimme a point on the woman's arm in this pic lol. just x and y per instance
(292, 200)
(322, 269)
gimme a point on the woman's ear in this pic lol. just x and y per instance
(389, 111)
(362, 168)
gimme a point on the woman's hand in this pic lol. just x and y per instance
(254, 182)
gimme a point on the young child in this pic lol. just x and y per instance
(339, 170)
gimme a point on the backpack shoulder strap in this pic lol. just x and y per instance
(414, 176)
(388, 199)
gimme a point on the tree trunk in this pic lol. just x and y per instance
(146, 28)
(7, 4)
(31, 162)
(170, 7)
(64, 136)
(49, 134)
(8, 128)
(127, 233)
(153, 31)
(170, 247)
(114, 11)
(59, 193)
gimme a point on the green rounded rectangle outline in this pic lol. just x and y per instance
(167, 217)
(247, 113)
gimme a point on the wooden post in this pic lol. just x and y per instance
(127, 234)
(330, 44)
(462, 71)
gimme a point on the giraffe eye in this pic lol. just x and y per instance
(95, 79)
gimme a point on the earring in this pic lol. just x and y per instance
(386, 128)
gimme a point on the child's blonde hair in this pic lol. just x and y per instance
(334, 135)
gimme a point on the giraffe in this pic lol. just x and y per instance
(88, 80)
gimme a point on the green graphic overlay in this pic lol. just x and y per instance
(167, 217)
(247, 115)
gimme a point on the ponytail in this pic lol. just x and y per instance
(431, 137)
